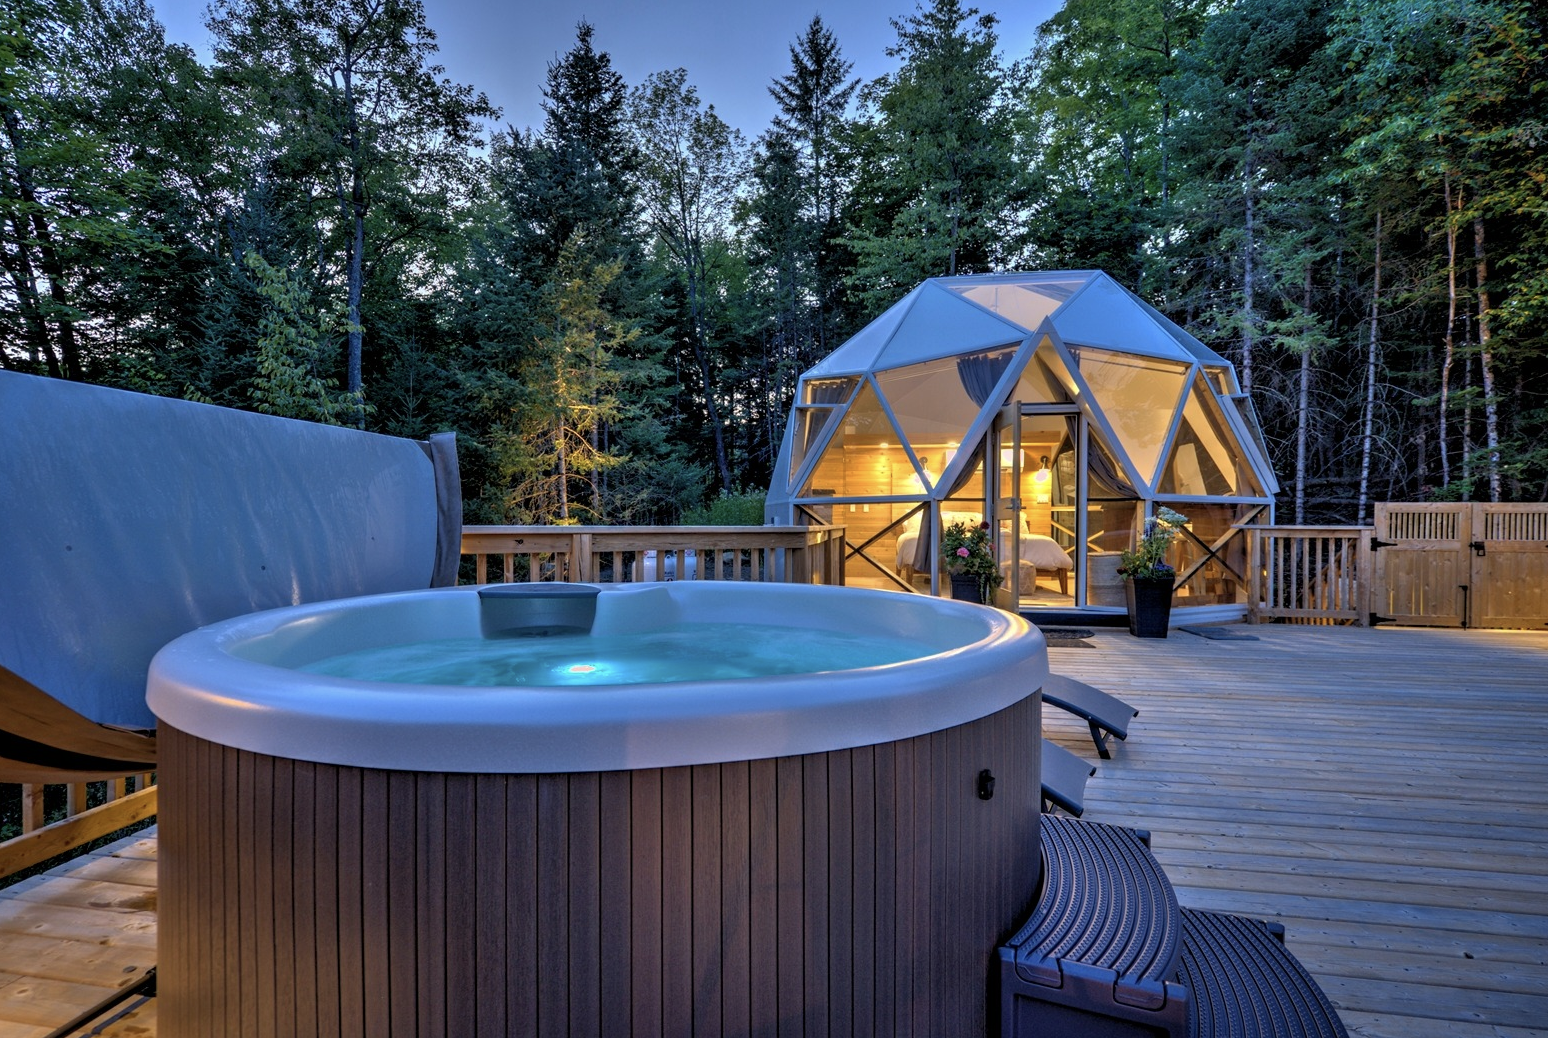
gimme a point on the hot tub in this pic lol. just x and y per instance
(841, 848)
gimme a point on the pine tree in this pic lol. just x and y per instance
(814, 99)
(571, 389)
(291, 342)
(933, 197)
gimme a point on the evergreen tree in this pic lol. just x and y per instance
(291, 342)
(571, 389)
(934, 194)
(814, 98)
(576, 180)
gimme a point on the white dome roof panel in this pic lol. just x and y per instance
(1106, 316)
(941, 324)
(862, 352)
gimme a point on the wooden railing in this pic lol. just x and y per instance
(128, 800)
(1310, 574)
(616, 554)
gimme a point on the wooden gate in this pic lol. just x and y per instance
(1462, 564)
(1510, 566)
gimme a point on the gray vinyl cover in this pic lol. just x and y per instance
(127, 520)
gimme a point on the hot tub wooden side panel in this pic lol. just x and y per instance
(860, 891)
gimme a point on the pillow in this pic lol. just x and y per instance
(1043, 552)
(970, 518)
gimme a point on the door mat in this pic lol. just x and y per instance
(1221, 634)
(1066, 637)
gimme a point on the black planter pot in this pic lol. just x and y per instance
(1150, 605)
(966, 588)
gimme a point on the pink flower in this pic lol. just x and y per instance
(963, 552)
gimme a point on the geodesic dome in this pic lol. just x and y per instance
(993, 394)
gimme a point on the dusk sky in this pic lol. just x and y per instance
(731, 51)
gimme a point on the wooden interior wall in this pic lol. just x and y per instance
(856, 892)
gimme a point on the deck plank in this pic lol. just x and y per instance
(74, 935)
(1382, 792)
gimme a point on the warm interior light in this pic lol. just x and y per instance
(1006, 457)
(1042, 483)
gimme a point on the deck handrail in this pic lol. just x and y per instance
(1310, 574)
(128, 800)
(617, 554)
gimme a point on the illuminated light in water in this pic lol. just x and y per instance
(667, 654)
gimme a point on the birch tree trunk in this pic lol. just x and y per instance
(1370, 384)
(1302, 406)
(1451, 324)
(1486, 361)
(1467, 413)
(1249, 318)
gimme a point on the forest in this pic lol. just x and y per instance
(1347, 198)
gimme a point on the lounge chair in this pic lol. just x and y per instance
(131, 519)
(1106, 715)
(1064, 779)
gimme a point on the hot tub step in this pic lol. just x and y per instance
(1098, 954)
(1108, 953)
(1246, 984)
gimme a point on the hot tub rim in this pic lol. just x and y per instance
(283, 712)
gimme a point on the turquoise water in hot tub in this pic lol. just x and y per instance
(688, 652)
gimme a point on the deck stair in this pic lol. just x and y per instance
(1109, 953)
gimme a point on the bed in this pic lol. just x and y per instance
(1039, 555)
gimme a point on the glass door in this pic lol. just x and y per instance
(1006, 459)
(1038, 525)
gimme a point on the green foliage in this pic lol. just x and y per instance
(612, 309)
(1147, 561)
(1094, 132)
(691, 167)
(933, 196)
(728, 508)
(358, 118)
(968, 550)
(292, 339)
(556, 455)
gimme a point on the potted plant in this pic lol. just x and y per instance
(968, 555)
(1148, 576)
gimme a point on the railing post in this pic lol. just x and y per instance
(31, 807)
(1365, 597)
(1254, 575)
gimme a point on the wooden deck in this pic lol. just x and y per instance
(70, 938)
(1382, 792)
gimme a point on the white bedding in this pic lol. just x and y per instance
(1038, 551)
